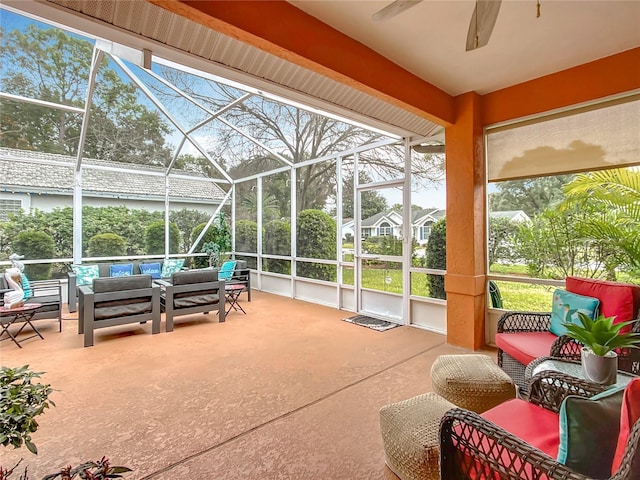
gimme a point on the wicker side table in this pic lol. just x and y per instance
(411, 436)
(471, 381)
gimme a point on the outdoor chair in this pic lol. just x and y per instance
(524, 336)
(118, 301)
(193, 291)
(241, 276)
(48, 293)
(564, 431)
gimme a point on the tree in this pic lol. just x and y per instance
(218, 233)
(293, 134)
(617, 192)
(185, 220)
(436, 258)
(107, 245)
(554, 245)
(35, 245)
(501, 239)
(154, 236)
(277, 241)
(316, 236)
(371, 201)
(51, 65)
(531, 195)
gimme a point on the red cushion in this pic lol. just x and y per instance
(630, 414)
(533, 424)
(526, 346)
(621, 300)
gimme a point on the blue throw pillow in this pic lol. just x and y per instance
(226, 270)
(85, 274)
(152, 269)
(26, 287)
(121, 270)
(565, 308)
(171, 266)
(589, 429)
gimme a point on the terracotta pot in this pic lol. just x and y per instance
(598, 369)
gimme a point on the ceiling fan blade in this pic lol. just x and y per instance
(393, 9)
(431, 149)
(482, 22)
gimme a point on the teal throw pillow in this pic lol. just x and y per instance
(152, 269)
(121, 270)
(565, 308)
(85, 274)
(26, 287)
(589, 429)
(226, 270)
(171, 266)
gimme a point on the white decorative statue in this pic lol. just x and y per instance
(14, 298)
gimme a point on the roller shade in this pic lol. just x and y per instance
(606, 135)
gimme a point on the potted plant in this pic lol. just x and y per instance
(601, 337)
(21, 401)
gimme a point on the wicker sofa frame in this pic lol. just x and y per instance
(563, 347)
(474, 448)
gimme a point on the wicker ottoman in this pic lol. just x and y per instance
(411, 436)
(471, 381)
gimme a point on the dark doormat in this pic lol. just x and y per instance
(369, 322)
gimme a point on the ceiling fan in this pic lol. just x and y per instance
(482, 22)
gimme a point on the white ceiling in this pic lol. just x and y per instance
(429, 38)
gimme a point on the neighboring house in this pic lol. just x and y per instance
(421, 222)
(390, 223)
(513, 215)
(32, 180)
(348, 228)
(382, 224)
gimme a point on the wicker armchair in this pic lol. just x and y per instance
(562, 347)
(472, 447)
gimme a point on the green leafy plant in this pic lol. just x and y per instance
(107, 245)
(213, 250)
(99, 470)
(20, 402)
(602, 335)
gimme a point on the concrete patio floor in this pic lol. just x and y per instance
(288, 391)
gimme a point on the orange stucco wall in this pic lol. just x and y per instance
(286, 31)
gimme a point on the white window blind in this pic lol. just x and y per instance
(606, 135)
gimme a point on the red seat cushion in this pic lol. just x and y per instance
(526, 346)
(621, 300)
(629, 415)
(533, 424)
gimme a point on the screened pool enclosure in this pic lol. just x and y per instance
(323, 208)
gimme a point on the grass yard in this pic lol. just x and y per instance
(516, 296)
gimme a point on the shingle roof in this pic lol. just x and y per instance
(17, 172)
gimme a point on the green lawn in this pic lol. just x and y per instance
(516, 296)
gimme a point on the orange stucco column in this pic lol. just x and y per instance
(465, 281)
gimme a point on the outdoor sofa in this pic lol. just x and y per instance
(45, 292)
(241, 275)
(524, 336)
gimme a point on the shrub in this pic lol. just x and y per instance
(154, 238)
(107, 245)
(277, 241)
(436, 258)
(316, 234)
(246, 236)
(20, 402)
(218, 233)
(35, 245)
